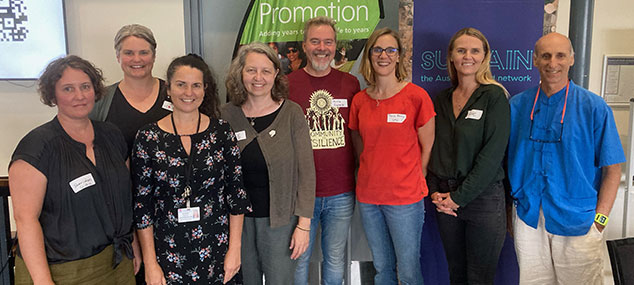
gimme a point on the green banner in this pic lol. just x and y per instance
(283, 20)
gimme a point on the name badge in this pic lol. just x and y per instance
(340, 103)
(82, 182)
(241, 135)
(474, 114)
(396, 118)
(167, 105)
(186, 215)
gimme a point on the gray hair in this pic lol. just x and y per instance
(236, 90)
(319, 21)
(136, 30)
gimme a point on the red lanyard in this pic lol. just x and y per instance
(565, 102)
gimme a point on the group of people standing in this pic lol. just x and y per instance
(200, 192)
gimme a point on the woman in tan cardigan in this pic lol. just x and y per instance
(277, 161)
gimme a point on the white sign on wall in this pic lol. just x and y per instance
(617, 85)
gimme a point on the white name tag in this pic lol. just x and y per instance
(340, 103)
(396, 118)
(241, 135)
(474, 114)
(82, 182)
(186, 215)
(167, 105)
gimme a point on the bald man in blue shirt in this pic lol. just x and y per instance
(564, 168)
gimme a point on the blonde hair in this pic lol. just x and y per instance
(483, 75)
(366, 64)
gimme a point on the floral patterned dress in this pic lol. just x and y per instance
(191, 251)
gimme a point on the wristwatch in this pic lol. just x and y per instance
(601, 219)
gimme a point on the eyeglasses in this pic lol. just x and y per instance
(552, 133)
(549, 134)
(292, 50)
(388, 50)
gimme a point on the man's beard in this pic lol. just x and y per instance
(319, 67)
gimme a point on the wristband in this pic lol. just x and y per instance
(303, 229)
(601, 219)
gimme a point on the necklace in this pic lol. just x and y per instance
(254, 112)
(460, 103)
(174, 125)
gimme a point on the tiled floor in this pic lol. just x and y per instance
(355, 279)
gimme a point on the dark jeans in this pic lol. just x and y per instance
(474, 239)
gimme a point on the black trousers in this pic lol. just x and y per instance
(473, 240)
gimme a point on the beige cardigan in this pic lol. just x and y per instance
(287, 151)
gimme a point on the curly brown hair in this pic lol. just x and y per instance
(55, 70)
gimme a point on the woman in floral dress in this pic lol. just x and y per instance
(189, 201)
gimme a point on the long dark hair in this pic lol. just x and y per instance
(211, 103)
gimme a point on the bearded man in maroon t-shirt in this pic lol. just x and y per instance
(325, 95)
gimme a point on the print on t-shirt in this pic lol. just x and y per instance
(325, 122)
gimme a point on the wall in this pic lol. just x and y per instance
(612, 33)
(219, 36)
(91, 26)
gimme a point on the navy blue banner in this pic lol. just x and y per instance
(512, 28)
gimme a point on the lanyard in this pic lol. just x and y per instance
(565, 102)
(188, 170)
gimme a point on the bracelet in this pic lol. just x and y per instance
(601, 219)
(303, 229)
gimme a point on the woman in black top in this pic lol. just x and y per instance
(279, 171)
(140, 98)
(465, 170)
(70, 188)
(189, 198)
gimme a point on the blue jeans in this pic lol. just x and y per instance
(334, 213)
(394, 234)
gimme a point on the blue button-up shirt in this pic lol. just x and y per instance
(563, 178)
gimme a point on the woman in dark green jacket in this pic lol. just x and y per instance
(465, 169)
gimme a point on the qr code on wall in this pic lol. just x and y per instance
(13, 20)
